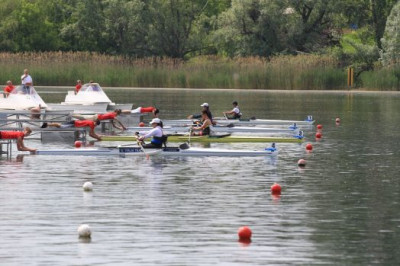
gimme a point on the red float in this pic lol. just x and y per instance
(141, 124)
(337, 120)
(244, 233)
(319, 126)
(318, 135)
(309, 147)
(78, 144)
(276, 189)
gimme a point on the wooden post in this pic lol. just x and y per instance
(350, 77)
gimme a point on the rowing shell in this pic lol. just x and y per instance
(168, 151)
(137, 151)
(220, 129)
(246, 122)
(214, 139)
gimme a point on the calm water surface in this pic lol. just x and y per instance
(342, 209)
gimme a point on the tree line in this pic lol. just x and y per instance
(187, 28)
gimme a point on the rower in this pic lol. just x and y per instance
(107, 116)
(77, 123)
(19, 136)
(158, 137)
(205, 126)
(206, 107)
(140, 110)
(234, 113)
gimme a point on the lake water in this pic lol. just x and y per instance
(342, 208)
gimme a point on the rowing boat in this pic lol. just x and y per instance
(217, 139)
(99, 151)
(167, 151)
(229, 129)
(246, 122)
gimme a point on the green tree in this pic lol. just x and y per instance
(251, 27)
(28, 28)
(390, 53)
(177, 27)
(86, 28)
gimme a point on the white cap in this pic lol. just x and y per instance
(204, 105)
(155, 121)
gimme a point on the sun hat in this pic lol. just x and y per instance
(155, 121)
(204, 105)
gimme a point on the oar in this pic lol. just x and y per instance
(143, 150)
(190, 134)
(141, 146)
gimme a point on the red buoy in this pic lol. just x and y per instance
(244, 233)
(276, 189)
(319, 126)
(318, 135)
(301, 163)
(78, 144)
(141, 124)
(337, 120)
(309, 147)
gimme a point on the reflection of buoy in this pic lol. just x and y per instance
(309, 147)
(337, 120)
(276, 189)
(78, 144)
(84, 231)
(88, 186)
(141, 124)
(319, 126)
(244, 233)
(318, 135)
(301, 163)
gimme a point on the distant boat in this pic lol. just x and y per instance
(89, 94)
(21, 98)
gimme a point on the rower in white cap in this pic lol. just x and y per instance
(158, 137)
(206, 107)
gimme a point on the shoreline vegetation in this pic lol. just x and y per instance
(285, 72)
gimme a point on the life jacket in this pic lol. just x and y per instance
(159, 141)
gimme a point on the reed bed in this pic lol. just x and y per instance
(302, 72)
(384, 79)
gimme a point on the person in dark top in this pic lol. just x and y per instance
(204, 129)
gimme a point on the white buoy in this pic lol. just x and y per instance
(84, 231)
(88, 186)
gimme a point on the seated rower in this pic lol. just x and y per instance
(107, 116)
(206, 107)
(234, 113)
(205, 127)
(19, 136)
(77, 123)
(158, 138)
(141, 110)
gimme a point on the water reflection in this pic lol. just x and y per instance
(185, 211)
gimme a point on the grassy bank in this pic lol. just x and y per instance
(303, 72)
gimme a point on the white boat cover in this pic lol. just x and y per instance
(89, 94)
(22, 98)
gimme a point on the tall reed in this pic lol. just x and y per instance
(302, 72)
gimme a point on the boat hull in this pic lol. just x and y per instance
(207, 139)
(168, 151)
(244, 122)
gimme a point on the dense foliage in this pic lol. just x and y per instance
(186, 28)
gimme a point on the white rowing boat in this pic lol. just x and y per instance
(168, 151)
(245, 122)
(225, 129)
